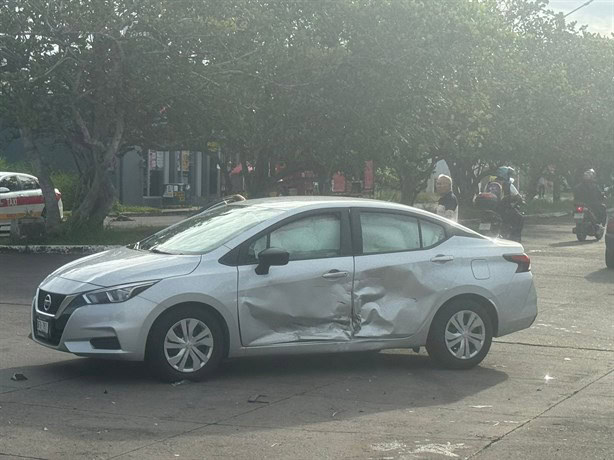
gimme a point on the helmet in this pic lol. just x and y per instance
(589, 175)
(506, 172)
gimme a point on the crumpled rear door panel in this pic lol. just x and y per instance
(394, 294)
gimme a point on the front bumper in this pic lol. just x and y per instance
(105, 331)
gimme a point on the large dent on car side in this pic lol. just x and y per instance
(392, 301)
(269, 316)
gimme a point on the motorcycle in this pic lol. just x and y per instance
(587, 223)
(495, 221)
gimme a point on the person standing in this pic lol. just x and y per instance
(447, 206)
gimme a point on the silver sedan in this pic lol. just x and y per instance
(290, 275)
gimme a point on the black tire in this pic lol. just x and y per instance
(609, 257)
(581, 236)
(156, 356)
(599, 233)
(436, 342)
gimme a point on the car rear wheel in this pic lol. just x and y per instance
(460, 335)
(185, 343)
(609, 258)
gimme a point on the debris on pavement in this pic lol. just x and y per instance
(19, 377)
(257, 399)
(179, 382)
(481, 407)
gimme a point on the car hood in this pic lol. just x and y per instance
(123, 265)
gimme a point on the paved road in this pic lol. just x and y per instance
(546, 392)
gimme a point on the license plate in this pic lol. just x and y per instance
(485, 226)
(578, 216)
(42, 327)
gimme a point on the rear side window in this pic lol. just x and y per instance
(10, 182)
(384, 232)
(27, 183)
(431, 233)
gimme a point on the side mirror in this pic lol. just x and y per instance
(270, 257)
(4, 190)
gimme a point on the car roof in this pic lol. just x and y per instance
(289, 203)
(9, 173)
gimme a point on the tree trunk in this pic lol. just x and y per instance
(465, 184)
(408, 191)
(96, 202)
(51, 211)
(556, 189)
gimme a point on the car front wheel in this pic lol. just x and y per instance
(185, 343)
(460, 335)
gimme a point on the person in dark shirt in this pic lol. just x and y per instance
(447, 206)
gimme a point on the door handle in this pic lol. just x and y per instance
(335, 274)
(440, 258)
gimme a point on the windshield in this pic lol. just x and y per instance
(207, 231)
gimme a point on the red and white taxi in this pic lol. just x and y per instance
(21, 196)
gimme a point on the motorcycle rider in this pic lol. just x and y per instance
(589, 194)
(508, 206)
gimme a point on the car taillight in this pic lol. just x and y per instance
(579, 208)
(522, 260)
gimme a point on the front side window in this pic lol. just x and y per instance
(207, 231)
(313, 237)
(386, 232)
(10, 182)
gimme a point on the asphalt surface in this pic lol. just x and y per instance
(546, 392)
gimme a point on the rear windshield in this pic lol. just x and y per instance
(207, 231)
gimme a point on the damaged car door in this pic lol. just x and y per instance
(307, 300)
(400, 268)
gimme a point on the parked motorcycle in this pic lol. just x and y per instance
(587, 223)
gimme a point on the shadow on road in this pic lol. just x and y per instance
(396, 378)
(564, 244)
(605, 275)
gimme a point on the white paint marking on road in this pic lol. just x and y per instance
(481, 407)
(446, 450)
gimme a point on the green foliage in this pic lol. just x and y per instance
(20, 167)
(119, 208)
(321, 86)
(67, 184)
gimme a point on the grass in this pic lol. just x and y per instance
(105, 237)
(119, 208)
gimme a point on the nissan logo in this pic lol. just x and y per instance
(47, 302)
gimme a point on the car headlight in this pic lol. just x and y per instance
(116, 294)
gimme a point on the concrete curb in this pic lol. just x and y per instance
(54, 249)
